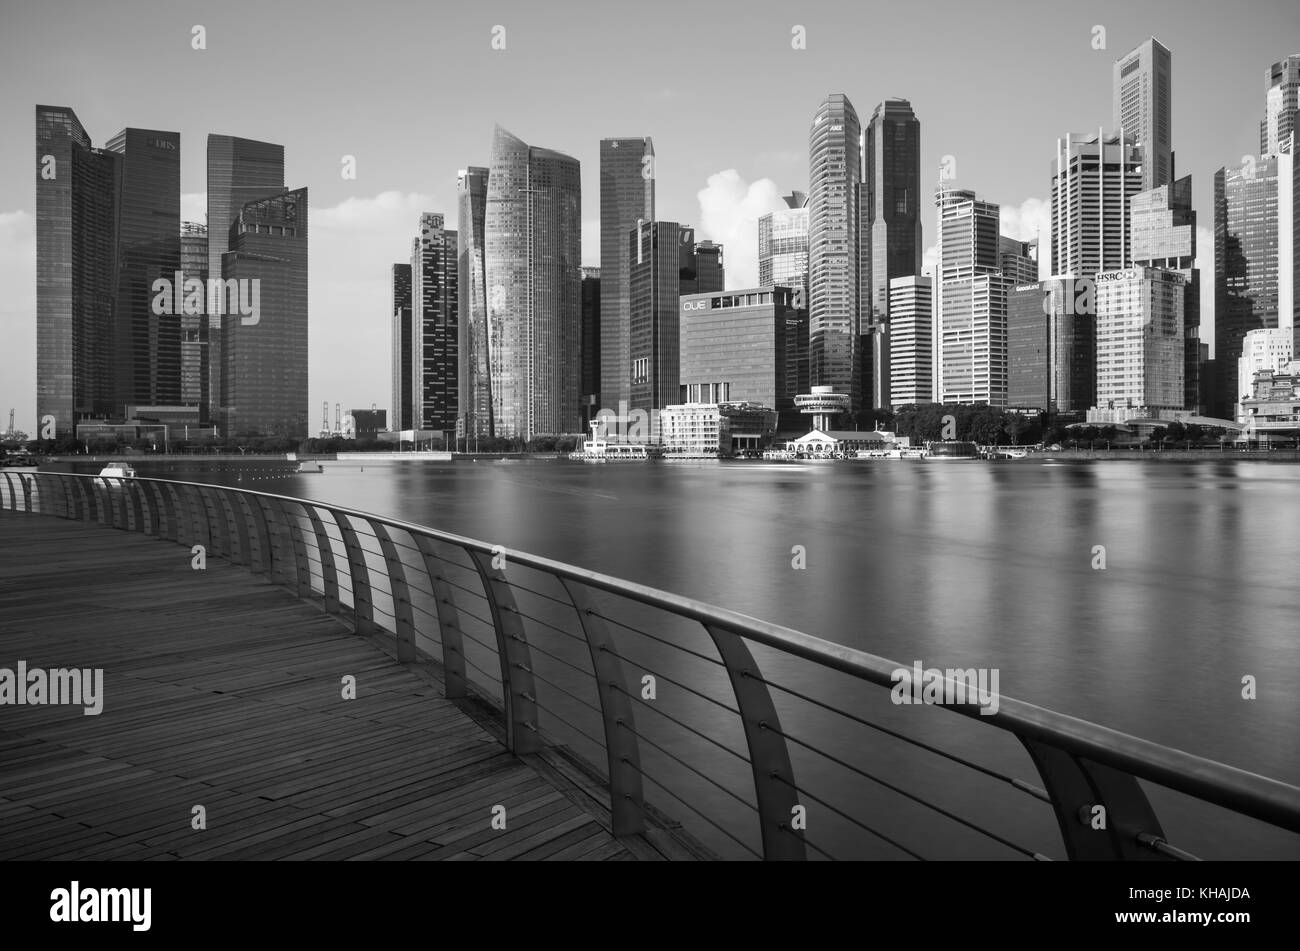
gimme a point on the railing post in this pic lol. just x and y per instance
(10, 499)
(107, 510)
(201, 530)
(517, 690)
(218, 530)
(453, 644)
(135, 511)
(297, 550)
(85, 498)
(259, 534)
(363, 605)
(27, 492)
(1077, 786)
(403, 615)
(626, 796)
(236, 527)
(774, 784)
(329, 576)
(162, 527)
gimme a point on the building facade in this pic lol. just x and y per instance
(783, 245)
(435, 323)
(195, 369)
(1142, 107)
(1051, 347)
(1281, 105)
(474, 396)
(1139, 344)
(627, 195)
(590, 347)
(657, 251)
(1268, 349)
(403, 340)
(911, 320)
(1093, 181)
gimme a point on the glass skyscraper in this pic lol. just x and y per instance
(783, 246)
(403, 339)
(195, 371)
(1142, 107)
(475, 394)
(627, 195)
(533, 246)
(264, 353)
(1281, 105)
(660, 264)
(834, 153)
(435, 324)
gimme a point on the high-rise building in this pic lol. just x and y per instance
(834, 152)
(1051, 346)
(627, 195)
(891, 212)
(783, 245)
(971, 316)
(264, 351)
(590, 391)
(239, 171)
(1246, 231)
(474, 376)
(1018, 260)
(147, 343)
(195, 371)
(1093, 181)
(1281, 105)
(533, 255)
(1142, 107)
(735, 347)
(403, 341)
(660, 261)
(911, 340)
(705, 260)
(76, 273)
(435, 323)
(1139, 344)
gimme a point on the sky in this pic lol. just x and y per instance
(413, 90)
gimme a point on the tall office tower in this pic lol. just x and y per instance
(1163, 235)
(403, 339)
(1018, 260)
(239, 171)
(590, 347)
(1246, 231)
(195, 371)
(892, 211)
(474, 388)
(1139, 344)
(627, 195)
(735, 347)
(971, 292)
(76, 277)
(264, 347)
(710, 274)
(834, 172)
(1288, 238)
(1093, 181)
(147, 344)
(1281, 105)
(533, 254)
(656, 277)
(783, 245)
(1052, 347)
(911, 340)
(1142, 107)
(435, 323)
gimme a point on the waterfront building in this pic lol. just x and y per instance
(264, 353)
(1142, 107)
(627, 196)
(435, 324)
(656, 252)
(1271, 409)
(403, 341)
(695, 430)
(195, 371)
(824, 405)
(1262, 349)
(368, 423)
(834, 148)
(911, 340)
(1139, 344)
(1051, 347)
(533, 254)
(474, 395)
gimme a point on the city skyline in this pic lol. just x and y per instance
(714, 183)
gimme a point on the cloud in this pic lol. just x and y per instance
(1029, 221)
(729, 213)
(930, 260)
(18, 320)
(194, 207)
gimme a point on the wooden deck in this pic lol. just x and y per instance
(224, 691)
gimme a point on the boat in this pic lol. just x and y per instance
(310, 467)
(597, 449)
(1005, 454)
(952, 450)
(117, 471)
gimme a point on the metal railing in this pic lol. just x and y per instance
(671, 695)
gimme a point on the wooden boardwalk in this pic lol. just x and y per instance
(223, 691)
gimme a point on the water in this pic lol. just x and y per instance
(953, 564)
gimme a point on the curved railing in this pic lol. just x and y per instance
(765, 741)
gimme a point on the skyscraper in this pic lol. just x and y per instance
(627, 195)
(1139, 344)
(1018, 260)
(971, 334)
(403, 340)
(147, 343)
(660, 262)
(783, 246)
(911, 340)
(239, 171)
(892, 212)
(532, 245)
(1093, 182)
(76, 278)
(833, 267)
(435, 324)
(474, 395)
(1246, 228)
(707, 263)
(195, 371)
(590, 348)
(1142, 107)
(264, 352)
(1281, 105)
(1051, 346)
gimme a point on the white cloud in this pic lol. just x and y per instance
(1031, 220)
(930, 260)
(194, 207)
(729, 213)
(18, 320)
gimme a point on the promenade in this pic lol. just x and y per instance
(225, 692)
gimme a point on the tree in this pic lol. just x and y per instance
(1015, 426)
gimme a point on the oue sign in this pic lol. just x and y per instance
(695, 305)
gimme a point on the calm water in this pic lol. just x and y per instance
(956, 565)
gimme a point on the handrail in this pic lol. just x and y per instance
(1082, 765)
